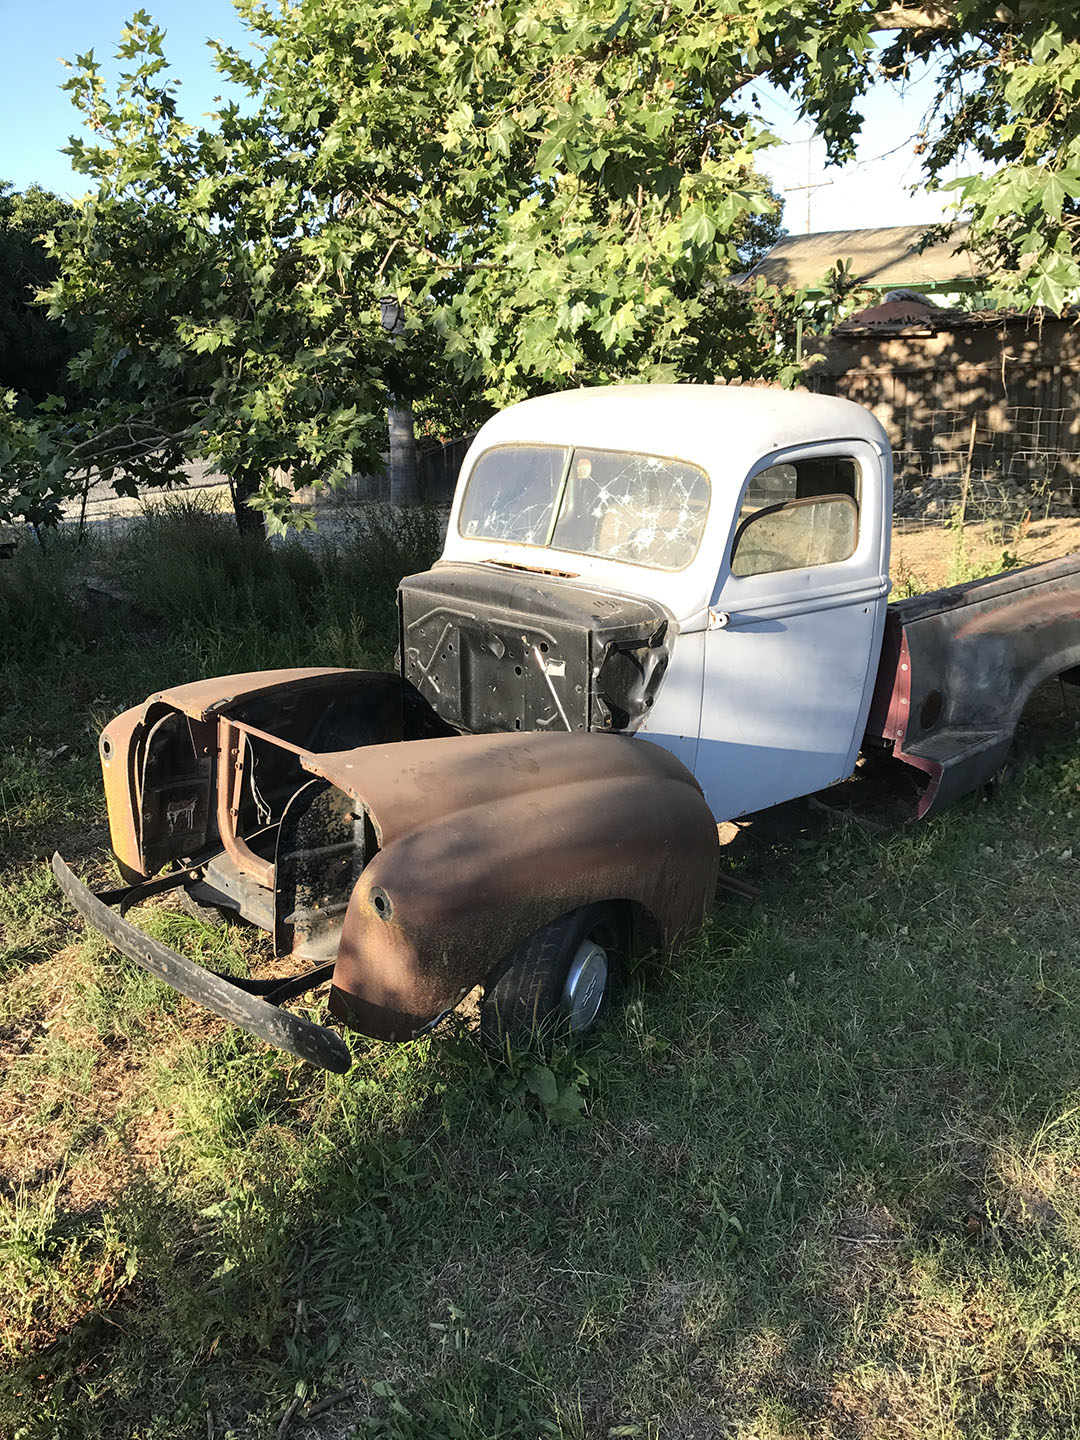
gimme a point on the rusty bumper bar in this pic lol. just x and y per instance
(231, 1000)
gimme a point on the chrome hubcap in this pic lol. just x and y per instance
(586, 982)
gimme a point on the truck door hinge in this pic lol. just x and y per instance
(718, 619)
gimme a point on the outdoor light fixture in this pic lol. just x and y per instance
(392, 314)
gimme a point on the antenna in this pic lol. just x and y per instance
(810, 185)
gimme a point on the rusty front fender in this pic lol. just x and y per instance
(117, 748)
(443, 903)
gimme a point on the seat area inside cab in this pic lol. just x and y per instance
(796, 515)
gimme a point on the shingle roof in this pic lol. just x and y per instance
(885, 258)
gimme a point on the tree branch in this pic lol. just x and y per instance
(926, 17)
(943, 16)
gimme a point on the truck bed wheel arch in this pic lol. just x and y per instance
(978, 652)
(1062, 666)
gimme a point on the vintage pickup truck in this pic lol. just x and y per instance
(657, 608)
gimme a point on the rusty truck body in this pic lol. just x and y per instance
(658, 608)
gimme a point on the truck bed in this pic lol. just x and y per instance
(959, 664)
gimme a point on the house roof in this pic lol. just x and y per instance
(894, 312)
(937, 318)
(887, 258)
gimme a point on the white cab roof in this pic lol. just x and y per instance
(699, 423)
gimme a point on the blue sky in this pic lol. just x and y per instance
(36, 116)
(876, 189)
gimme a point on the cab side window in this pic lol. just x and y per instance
(797, 515)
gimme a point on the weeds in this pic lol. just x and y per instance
(818, 1178)
(1001, 534)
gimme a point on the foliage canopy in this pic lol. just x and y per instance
(33, 353)
(554, 188)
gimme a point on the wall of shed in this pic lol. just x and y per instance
(1017, 379)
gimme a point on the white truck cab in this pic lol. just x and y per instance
(743, 533)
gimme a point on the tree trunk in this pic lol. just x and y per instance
(404, 481)
(244, 484)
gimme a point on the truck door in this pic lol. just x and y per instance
(795, 627)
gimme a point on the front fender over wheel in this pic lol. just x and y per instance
(560, 981)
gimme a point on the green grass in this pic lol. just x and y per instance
(820, 1178)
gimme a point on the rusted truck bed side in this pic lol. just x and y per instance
(958, 666)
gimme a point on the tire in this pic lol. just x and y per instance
(1023, 751)
(208, 914)
(559, 982)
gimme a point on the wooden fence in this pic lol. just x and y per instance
(1017, 378)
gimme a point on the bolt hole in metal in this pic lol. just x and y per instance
(586, 985)
(381, 901)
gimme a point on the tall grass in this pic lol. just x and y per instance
(196, 598)
(194, 592)
(39, 614)
(202, 584)
(820, 1180)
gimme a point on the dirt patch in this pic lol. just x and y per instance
(65, 1115)
(923, 557)
(108, 1166)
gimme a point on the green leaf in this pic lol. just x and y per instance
(1048, 43)
(540, 1081)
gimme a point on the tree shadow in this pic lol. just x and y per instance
(821, 1185)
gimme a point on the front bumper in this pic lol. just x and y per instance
(241, 1002)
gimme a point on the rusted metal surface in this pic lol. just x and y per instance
(202, 698)
(232, 745)
(324, 841)
(420, 864)
(958, 666)
(162, 760)
(231, 1000)
(116, 749)
(175, 765)
(486, 838)
(419, 784)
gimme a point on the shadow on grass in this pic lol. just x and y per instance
(824, 1182)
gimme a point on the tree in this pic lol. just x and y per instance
(1006, 81)
(1007, 95)
(760, 232)
(222, 325)
(554, 192)
(231, 275)
(34, 352)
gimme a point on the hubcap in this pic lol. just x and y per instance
(586, 982)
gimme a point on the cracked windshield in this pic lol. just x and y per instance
(623, 506)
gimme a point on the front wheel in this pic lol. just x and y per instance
(561, 980)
